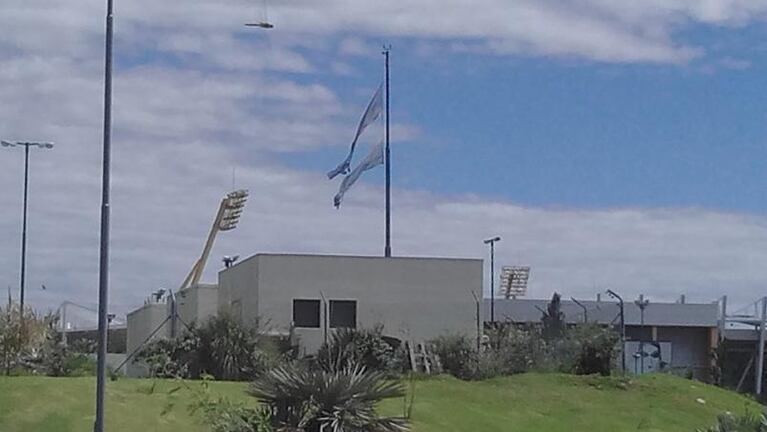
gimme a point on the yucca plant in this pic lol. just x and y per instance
(305, 400)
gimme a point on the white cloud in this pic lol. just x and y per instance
(196, 94)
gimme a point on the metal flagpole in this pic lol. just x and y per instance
(104, 256)
(387, 249)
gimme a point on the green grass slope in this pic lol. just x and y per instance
(529, 402)
(565, 403)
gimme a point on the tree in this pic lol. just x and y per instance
(553, 319)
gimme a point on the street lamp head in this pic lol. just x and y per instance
(262, 24)
(40, 144)
(614, 295)
(492, 240)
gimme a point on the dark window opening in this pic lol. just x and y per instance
(306, 313)
(343, 313)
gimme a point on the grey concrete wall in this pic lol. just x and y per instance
(689, 346)
(238, 289)
(141, 323)
(659, 314)
(196, 304)
(414, 298)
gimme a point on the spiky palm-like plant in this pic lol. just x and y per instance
(340, 401)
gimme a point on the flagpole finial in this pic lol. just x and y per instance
(386, 48)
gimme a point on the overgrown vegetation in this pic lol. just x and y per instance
(36, 347)
(220, 414)
(748, 422)
(223, 347)
(509, 349)
(348, 348)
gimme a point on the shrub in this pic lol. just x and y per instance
(310, 400)
(223, 347)
(20, 351)
(222, 415)
(366, 347)
(457, 355)
(507, 350)
(744, 423)
(594, 347)
(171, 358)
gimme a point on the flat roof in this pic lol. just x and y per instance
(350, 256)
(605, 312)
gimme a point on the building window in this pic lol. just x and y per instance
(343, 313)
(306, 313)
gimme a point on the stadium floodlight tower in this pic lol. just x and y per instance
(514, 281)
(227, 218)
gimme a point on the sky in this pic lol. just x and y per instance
(611, 144)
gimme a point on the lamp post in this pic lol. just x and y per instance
(106, 170)
(614, 295)
(491, 242)
(22, 283)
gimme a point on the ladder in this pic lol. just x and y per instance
(423, 359)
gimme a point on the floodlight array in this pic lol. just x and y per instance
(514, 281)
(233, 207)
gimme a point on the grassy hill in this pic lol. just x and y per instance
(529, 402)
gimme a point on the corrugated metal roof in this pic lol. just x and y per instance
(656, 314)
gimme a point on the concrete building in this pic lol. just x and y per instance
(685, 333)
(413, 298)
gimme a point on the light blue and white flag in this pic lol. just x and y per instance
(372, 160)
(372, 113)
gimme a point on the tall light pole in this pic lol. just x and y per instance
(491, 242)
(614, 295)
(101, 370)
(22, 282)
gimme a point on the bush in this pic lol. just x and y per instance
(365, 347)
(732, 423)
(223, 347)
(222, 415)
(457, 354)
(507, 350)
(594, 347)
(20, 351)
